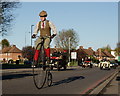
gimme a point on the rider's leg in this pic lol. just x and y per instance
(37, 49)
(47, 47)
(47, 51)
(36, 55)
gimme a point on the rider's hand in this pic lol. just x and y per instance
(53, 36)
(33, 36)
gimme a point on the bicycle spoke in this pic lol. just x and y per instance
(49, 79)
(39, 71)
(39, 76)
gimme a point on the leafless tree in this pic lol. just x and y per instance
(66, 37)
(6, 15)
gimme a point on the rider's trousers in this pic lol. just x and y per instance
(46, 43)
(46, 46)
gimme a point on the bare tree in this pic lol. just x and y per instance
(65, 37)
(108, 48)
(6, 15)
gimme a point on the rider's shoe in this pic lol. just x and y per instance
(48, 60)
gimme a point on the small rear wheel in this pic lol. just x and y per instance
(49, 79)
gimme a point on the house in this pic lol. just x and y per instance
(109, 56)
(114, 54)
(11, 52)
(100, 55)
(84, 54)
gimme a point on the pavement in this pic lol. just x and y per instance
(110, 85)
(15, 70)
(113, 87)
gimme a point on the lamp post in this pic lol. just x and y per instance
(25, 39)
(31, 33)
(69, 51)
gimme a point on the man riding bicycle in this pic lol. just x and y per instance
(44, 26)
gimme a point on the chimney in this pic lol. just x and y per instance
(99, 52)
(81, 47)
(89, 47)
(55, 47)
(13, 45)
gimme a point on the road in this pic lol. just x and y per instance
(74, 80)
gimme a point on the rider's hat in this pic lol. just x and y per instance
(43, 14)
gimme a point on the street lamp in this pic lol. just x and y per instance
(25, 39)
(31, 33)
(69, 51)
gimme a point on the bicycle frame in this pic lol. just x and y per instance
(45, 68)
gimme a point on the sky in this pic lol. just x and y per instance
(96, 23)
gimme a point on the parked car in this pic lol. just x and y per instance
(95, 64)
(87, 64)
(113, 65)
(104, 65)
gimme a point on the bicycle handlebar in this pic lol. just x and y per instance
(42, 37)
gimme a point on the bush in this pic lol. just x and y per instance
(74, 63)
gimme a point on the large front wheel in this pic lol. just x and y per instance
(39, 70)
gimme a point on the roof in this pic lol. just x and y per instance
(100, 54)
(57, 49)
(6, 49)
(104, 53)
(88, 51)
(82, 53)
(10, 49)
(108, 54)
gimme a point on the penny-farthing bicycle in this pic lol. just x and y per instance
(41, 69)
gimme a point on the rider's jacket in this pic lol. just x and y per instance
(46, 31)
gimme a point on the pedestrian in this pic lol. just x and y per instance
(44, 26)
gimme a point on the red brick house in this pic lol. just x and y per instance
(84, 54)
(109, 56)
(103, 55)
(99, 54)
(11, 52)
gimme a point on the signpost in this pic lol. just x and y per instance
(73, 55)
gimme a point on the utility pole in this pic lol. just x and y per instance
(31, 33)
(69, 52)
(25, 39)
